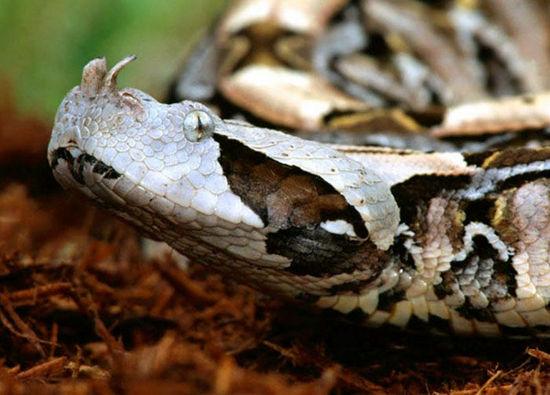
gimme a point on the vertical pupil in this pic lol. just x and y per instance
(199, 123)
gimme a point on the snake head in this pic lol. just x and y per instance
(121, 146)
(214, 188)
(153, 164)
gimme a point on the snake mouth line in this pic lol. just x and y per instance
(77, 160)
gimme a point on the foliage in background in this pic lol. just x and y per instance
(46, 43)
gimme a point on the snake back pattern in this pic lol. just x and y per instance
(407, 195)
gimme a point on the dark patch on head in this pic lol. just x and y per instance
(87, 158)
(421, 188)
(316, 252)
(77, 170)
(283, 196)
(106, 170)
(77, 165)
(294, 203)
(61, 153)
(99, 167)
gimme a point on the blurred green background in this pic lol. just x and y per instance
(45, 44)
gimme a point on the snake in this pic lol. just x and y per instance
(448, 241)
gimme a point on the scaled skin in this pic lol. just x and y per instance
(396, 236)
(171, 185)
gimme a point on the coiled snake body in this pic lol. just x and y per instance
(454, 241)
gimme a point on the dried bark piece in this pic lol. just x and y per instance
(32, 295)
(20, 324)
(43, 370)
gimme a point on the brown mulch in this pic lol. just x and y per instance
(83, 311)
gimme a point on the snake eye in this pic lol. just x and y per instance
(197, 124)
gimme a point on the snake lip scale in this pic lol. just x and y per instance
(446, 242)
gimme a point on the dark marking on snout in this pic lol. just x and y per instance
(61, 153)
(75, 165)
(98, 167)
(105, 170)
(78, 164)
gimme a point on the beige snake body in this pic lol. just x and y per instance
(450, 241)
